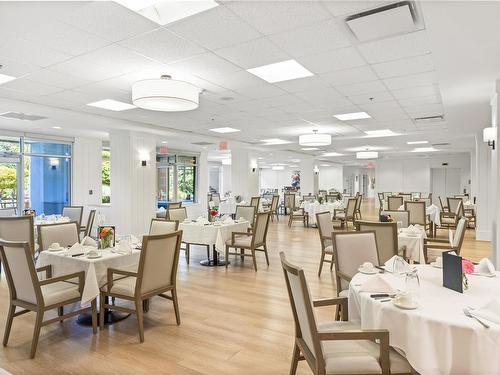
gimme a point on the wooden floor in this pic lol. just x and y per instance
(234, 321)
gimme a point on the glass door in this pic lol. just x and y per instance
(9, 187)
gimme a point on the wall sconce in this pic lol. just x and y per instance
(144, 158)
(144, 163)
(316, 169)
(489, 136)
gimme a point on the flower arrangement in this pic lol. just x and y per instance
(106, 237)
(212, 214)
(467, 269)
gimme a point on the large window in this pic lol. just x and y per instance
(35, 173)
(105, 170)
(177, 178)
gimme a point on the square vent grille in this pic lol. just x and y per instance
(428, 119)
(22, 116)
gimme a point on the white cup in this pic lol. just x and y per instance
(93, 253)
(367, 266)
(241, 219)
(54, 246)
(404, 298)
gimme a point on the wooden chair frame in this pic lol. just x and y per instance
(87, 229)
(79, 222)
(274, 207)
(347, 218)
(31, 226)
(41, 246)
(174, 204)
(298, 215)
(443, 244)
(324, 238)
(365, 223)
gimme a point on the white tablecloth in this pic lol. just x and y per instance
(313, 208)
(51, 219)
(95, 269)
(414, 245)
(211, 234)
(437, 337)
(229, 207)
(432, 211)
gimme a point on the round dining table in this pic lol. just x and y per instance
(436, 337)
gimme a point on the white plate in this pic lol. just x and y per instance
(410, 306)
(54, 250)
(94, 256)
(367, 272)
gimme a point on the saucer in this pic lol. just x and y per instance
(94, 256)
(373, 271)
(54, 250)
(410, 306)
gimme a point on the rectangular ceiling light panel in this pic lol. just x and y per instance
(22, 116)
(224, 130)
(112, 105)
(352, 116)
(4, 78)
(281, 71)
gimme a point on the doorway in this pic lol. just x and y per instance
(445, 183)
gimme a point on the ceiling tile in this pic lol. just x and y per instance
(431, 99)
(339, 59)
(403, 67)
(377, 97)
(31, 87)
(415, 92)
(341, 8)
(263, 90)
(214, 28)
(15, 68)
(206, 66)
(73, 97)
(312, 39)
(394, 48)
(50, 77)
(237, 81)
(414, 80)
(349, 76)
(361, 88)
(303, 84)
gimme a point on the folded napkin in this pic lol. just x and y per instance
(88, 241)
(439, 260)
(123, 248)
(413, 229)
(377, 284)
(490, 311)
(396, 264)
(134, 239)
(77, 248)
(227, 220)
(161, 209)
(485, 267)
(202, 220)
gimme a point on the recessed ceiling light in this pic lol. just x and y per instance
(325, 165)
(260, 158)
(294, 166)
(4, 78)
(56, 127)
(295, 160)
(352, 116)
(367, 155)
(164, 142)
(166, 11)
(424, 149)
(380, 133)
(416, 142)
(224, 130)
(332, 154)
(277, 167)
(281, 71)
(309, 148)
(112, 105)
(274, 141)
(315, 139)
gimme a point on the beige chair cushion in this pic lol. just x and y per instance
(340, 215)
(59, 292)
(245, 241)
(357, 356)
(298, 213)
(447, 220)
(344, 293)
(125, 286)
(329, 249)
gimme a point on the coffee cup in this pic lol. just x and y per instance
(92, 253)
(54, 246)
(403, 298)
(367, 266)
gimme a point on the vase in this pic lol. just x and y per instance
(465, 281)
(105, 242)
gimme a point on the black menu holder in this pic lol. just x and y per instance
(452, 272)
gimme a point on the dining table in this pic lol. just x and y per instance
(436, 337)
(211, 234)
(312, 208)
(412, 240)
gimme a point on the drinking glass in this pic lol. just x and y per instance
(412, 284)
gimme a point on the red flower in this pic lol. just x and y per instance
(467, 266)
(213, 213)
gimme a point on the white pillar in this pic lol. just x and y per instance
(308, 176)
(86, 176)
(244, 173)
(495, 164)
(481, 182)
(133, 186)
(201, 207)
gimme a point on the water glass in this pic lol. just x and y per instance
(412, 284)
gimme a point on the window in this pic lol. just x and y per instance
(105, 170)
(177, 178)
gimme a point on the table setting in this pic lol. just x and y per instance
(433, 211)
(412, 239)
(312, 208)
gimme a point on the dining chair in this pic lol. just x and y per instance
(450, 219)
(357, 211)
(434, 247)
(444, 208)
(325, 229)
(380, 200)
(350, 251)
(335, 347)
(246, 212)
(155, 276)
(463, 197)
(65, 234)
(345, 199)
(386, 235)
(8, 212)
(402, 216)
(453, 204)
(160, 226)
(179, 214)
(87, 229)
(405, 196)
(416, 195)
(289, 200)
(39, 296)
(298, 214)
(393, 203)
(427, 201)
(309, 198)
(255, 241)
(274, 207)
(346, 215)
(331, 198)
(74, 213)
(255, 201)
(174, 204)
(387, 194)
(18, 229)
(418, 214)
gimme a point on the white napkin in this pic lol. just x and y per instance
(134, 239)
(439, 260)
(76, 249)
(227, 220)
(161, 209)
(202, 220)
(468, 203)
(450, 237)
(124, 248)
(490, 311)
(88, 241)
(391, 263)
(377, 284)
(485, 268)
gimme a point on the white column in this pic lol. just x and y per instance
(481, 182)
(133, 186)
(86, 174)
(201, 207)
(226, 179)
(495, 186)
(308, 176)
(244, 173)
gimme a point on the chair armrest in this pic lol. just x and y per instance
(335, 210)
(234, 234)
(439, 240)
(430, 246)
(80, 275)
(339, 301)
(47, 269)
(112, 271)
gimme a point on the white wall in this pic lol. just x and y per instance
(226, 179)
(269, 179)
(330, 178)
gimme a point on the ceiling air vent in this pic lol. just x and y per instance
(202, 143)
(442, 144)
(428, 119)
(393, 19)
(21, 116)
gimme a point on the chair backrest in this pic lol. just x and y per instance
(380, 199)
(247, 212)
(309, 198)
(459, 235)
(393, 203)
(331, 198)
(66, 234)
(453, 203)
(160, 226)
(302, 309)
(20, 270)
(90, 223)
(416, 195)
(427, 201)
(463, 197)
(179, 214)
(274, 202)
(359, 199)
(351, 207)
(351, 250)
(417, 212)
(18, 229)
(260, 229)
(441, 204)
(325, 226)
(174, 204)
(254, 201)
(216, 199)
(7, 212)
(158, 262)
(387, 194)
(459, 212)
(74, 213)
(402, 216)
(289, 200)
(406, 197)
(345, 199)
(386, 235)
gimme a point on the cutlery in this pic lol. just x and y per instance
(77, 255)
(382, 269)
(470, 315)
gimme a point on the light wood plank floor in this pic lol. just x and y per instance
(233, 322)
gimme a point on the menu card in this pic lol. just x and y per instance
(452, 272)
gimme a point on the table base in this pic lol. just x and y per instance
(215, 262)
(110, 317)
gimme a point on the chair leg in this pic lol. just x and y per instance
(8, 324)
(187, 253)
(226, 255)
(295, 360)
(331, 264)
(254, 260)
(267, 256)
(101, 312)
(140, 319)
(290, 221)
(60, 312)
(321, 262)
(208, 252)
(36, 333)
(176, 306)
(94, 315)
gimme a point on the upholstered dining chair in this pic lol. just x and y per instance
(386, 235)
(30, 294)
(331, 198)
(357, 211)
(255, 201)
(444, 208)
(402, 216)
(174, 204)
(273, 209)
(427, 201)
(380, 201)
(8, 212)
(179, 214)
(393, 203)
(335, 347)
(74, 213)
(325, 228)
(453, 204)
(66, 234)
(350, 251)
(433, 247)
(87, 229)
(248, 213)
(405, 196)
(346, 215)
(289, 201)
(450, 219)
(418, 214)
(255, 241)
(387, 194)
(160, 226)
(299, 214)
(18, 229)
(156, 276)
